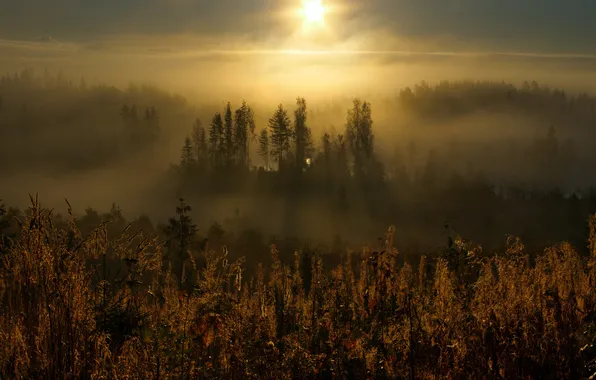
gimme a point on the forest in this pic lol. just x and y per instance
(446, 232)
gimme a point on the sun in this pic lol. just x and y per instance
(314, 11)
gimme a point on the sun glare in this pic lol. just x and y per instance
(314, 11)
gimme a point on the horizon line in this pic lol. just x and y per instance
(49, 43)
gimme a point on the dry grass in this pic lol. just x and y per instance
(90, 307)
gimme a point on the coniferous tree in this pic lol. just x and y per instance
(215, 140)
(264, 146)
(302, 134)
(360, 137)
(241, 138)
(281, 135)
(199, 140)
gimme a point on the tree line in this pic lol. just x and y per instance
(285, 144)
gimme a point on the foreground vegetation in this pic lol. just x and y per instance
(135, 307)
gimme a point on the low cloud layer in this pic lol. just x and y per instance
(240, 68)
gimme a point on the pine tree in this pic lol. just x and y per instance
(215, 139)
(264, 146)
(302, 134)
(281, 135)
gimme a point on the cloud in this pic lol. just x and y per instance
(544, 26)
(352, 54)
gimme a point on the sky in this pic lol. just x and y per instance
(537, 26)
(84, 36)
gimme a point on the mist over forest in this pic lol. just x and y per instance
(297, 189)
(487, 159)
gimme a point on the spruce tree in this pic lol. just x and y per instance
(281, 135)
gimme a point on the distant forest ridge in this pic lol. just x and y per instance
(445, 96)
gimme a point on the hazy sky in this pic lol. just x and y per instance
(545, 26)
(188, 41)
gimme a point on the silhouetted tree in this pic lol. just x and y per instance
(302, 134)
(199, 140)
(241, 137)
(215, 140)
(360, 137)
(281, 135)
(187, 159)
